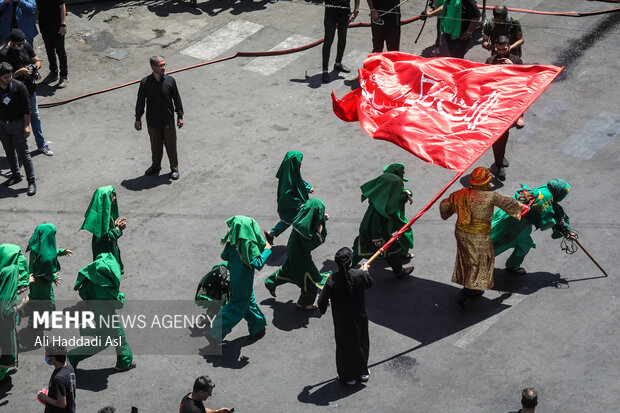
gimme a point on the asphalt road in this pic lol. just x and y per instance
(556, 328)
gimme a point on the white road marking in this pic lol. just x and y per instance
(592, 137)
(478, 329)
(222, 39)
(268, 65)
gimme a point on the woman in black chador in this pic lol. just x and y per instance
(346, 290)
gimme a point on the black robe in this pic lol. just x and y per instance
(350, 321)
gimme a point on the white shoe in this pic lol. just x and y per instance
(364, 378)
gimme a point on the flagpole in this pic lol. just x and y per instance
(418, 215)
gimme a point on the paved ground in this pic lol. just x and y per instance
(556, 328)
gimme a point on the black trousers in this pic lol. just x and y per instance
(388, 33)
(499, 149)
(55, 45)
(335, 19)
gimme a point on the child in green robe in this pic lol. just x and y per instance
(299, 269)
(293, 192)
(102, 220)
(11, 283)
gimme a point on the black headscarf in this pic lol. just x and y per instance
(343, 260)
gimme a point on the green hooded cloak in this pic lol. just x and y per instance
(299, 268)
(292, 189)
(43, 252)
(101, 280)
(450, 20)
(244, 235)
(12, 254)
(100, 219)
(9, 281)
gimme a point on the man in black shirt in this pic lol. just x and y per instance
(457, 24)
(53, 27)
(60, 397)
(162, 100)
(192, 402)
(19, 54)
(337, 16)
(385, 24)
(503, 56)
(15, 126)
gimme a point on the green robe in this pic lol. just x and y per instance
(11, 254)
(385, 214)
(244, 251)
(99, 282)
(9, 282)
(44, 265)
(545, 213)
(100, 219)
(299, 268)
(293, 191)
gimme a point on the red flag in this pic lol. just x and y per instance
(445, 111)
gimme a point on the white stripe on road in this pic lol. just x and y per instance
(592, 137)
(478, 329)
(268, 65)
(222, 39)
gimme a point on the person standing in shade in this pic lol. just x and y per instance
(53, 27)
(99, 286)
(160, 93)
(474, 207)
(545, 213)
(385, 25)
(245, 250)
(13, 281)
(346, 291)
(102, 220)
(15, 127)
(20, 54)
(385, 214)
(459, 18)
(44, 267)
(308, 233)
(293, 192)
(337, 16)
(202, 390)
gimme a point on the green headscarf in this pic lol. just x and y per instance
(43, 245)
(244, 234)
(397, 169)
(9, 278)
(450, 22)
(101, 213)
(559, 188)
(309, 218)
(292, 191)
(385, 192)
(101, 279)
(11, 254)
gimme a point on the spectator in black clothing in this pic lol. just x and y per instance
(60, 397)
(529, 401)
(457, 24)
(337, 16)
(502, 25)
(53, 27)
(192, 402)
(19, 54)
(503, 56)
(385, 24)
(160, 92)
(15, 126)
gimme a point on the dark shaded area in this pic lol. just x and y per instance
(230, 356)
(506, 281)
(6, 386)
(93, 380)
(331, 391)
(353, 83)
(575, 49)
(143, 182)
(278, 256)
(287, 317)
(316, 81)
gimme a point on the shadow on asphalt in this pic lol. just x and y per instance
(287, 317)
(331, 391)
(277, 257)
(94, 379)
(230, 356)
(6, 386)
(143, 182)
